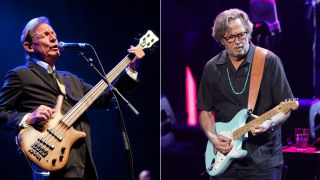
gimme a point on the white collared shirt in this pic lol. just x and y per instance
(44, 64)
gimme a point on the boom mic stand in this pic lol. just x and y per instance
(111, 87)
(123, 127)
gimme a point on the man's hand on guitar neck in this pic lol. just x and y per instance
(261, 128)
(139, 53)
(221, 143)
(271, 123)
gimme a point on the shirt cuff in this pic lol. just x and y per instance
(133, 75)
(23, 123)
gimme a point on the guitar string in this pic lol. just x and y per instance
(244, 129)
(72, 116)
(262, 118)
(61, 125)
(100, 87)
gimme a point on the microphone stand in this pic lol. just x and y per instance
(89, 60)
(123, 127)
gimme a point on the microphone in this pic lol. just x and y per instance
(72, 46)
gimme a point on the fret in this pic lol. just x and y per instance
(94, 93)
(283, 107)
(50, 148)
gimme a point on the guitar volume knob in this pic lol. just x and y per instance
(54, 161)
(63, 149)
(61, 158)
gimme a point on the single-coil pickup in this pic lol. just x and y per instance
(42, 141)
(54, 134)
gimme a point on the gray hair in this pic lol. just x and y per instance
(30, 26)
(221, 23)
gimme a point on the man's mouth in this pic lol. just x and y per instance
(238, 48)
(55, 47)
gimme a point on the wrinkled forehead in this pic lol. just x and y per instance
(42, 28)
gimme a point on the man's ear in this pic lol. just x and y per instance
(222, 42)
(28, 47)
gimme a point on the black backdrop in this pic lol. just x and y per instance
(110, 26)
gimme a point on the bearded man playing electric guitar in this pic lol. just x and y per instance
(225, 90)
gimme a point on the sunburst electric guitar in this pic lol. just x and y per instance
(49, 148)
(237, 131)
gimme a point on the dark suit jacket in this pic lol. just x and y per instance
(26, 87)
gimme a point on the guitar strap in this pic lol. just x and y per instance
(258, 62)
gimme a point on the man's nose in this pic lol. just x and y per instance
(237, 40)
(53, 38)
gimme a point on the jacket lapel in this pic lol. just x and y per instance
(43, 74)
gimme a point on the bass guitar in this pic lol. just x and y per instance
(49, 148)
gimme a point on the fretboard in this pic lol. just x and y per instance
(246, 128)
(77, 110)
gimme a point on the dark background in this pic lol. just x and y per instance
(187, 41)
(110, 26)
